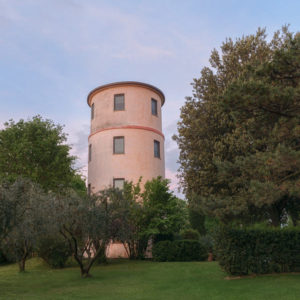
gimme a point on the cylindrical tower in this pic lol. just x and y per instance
(126, 140)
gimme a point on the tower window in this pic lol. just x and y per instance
(89, 189)
(92, 111)
(154, 107)
(156, 149)
(119, 102)
(119, 145)
(119, 183)
(90, 152)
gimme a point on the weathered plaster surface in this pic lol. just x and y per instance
(139, 128)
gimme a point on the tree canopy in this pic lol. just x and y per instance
(36, 149)
(239, 132)
(26, 219)
(57, 224)
(83, 222)
(165, 214)
(136, 217)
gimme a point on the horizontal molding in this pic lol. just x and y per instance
(129, 127)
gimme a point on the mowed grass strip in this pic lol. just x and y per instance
(122, 279)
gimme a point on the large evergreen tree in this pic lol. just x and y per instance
(239, 133)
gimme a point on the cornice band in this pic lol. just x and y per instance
(129, 127)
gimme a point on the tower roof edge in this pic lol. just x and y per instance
(126, 83)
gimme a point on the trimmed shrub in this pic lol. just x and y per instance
(54, 251)
(163, 251)
(259, 251)
(179, 250)
(190, 234)
(189, 250)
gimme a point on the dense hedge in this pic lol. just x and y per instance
(179, 250)
(260, 251)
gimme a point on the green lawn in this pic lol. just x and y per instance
(142, 280)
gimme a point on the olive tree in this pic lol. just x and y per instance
(26, 221)
(82, 221)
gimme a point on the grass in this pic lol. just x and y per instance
(142, 280)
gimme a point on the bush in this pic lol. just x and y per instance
(188, 250)
(260, 251)
(54, 251)
(181, 250)
(190, 234)
(163, 251)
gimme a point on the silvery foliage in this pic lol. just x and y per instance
(83, 222)
(24, 202)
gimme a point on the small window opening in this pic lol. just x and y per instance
(156, 149)
(119, 102)
(119, 183)
(154, 107)
(92, 111)
(90, 152)
(119, 145)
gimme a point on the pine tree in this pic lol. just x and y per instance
(239, 133)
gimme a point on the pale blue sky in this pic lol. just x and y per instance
(53, 52)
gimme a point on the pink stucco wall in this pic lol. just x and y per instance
(138, 126)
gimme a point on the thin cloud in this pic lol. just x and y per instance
(8, 13)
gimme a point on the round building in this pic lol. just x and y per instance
(126, 139)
